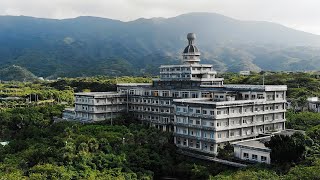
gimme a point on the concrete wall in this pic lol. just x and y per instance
(240, 151)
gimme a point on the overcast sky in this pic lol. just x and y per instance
(299, 14)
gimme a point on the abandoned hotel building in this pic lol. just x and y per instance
(188, 99)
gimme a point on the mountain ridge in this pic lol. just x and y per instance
(88, 45)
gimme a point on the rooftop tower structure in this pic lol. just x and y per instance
(191, 54)
(190, 74)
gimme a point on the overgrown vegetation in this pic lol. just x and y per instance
(41, 149)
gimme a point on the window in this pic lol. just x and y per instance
(198, 122)
(198, 111)
(175, 94)
(204, 111)
(263, 158)
(211, 147)
(185, 110)
(211, 135)
(165, 93)
(246, 155)
(218, 112)
(231, 133)
(198, 144)
(190, 121)
(205, 146)
(212, 113)
(194, 95)
(254, 157)
(184, 121)
(191, 143)
(185, 94)
(219, 135)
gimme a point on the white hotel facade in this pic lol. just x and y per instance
(188, 99)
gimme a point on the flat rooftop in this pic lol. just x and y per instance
(257, 143)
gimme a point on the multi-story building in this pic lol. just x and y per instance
(190, 100)
(96, 106)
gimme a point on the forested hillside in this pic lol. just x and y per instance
(39, 148)
(88, 46)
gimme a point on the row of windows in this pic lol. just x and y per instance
(254, 157)
(196, 133)
(195, 144)
(226, 112)
(184, 69)
(151, 101)
(178, 94)
(225, 123)
(174, 75)
(150, 117)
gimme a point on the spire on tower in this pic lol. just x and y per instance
(191, 54)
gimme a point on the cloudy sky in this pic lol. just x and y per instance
(299, 14)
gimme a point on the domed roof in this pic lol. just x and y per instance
(191, 48)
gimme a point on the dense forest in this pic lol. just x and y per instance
(40, 148)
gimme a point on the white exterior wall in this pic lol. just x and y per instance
(239, 153)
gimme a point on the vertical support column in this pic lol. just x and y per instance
(215, 148)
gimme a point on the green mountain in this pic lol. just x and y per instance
(16, 73)
(87, 46)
